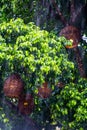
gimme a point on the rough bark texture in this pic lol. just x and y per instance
(79, 63)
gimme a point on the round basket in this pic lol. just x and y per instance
(71, 33)
(26, 104)
(13, 86)
(44, 91)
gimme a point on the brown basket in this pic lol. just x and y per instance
(13, 86)
(44, 91)
(26, 104)
(71, 32)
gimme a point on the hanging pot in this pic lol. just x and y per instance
(13, 86)
(26, 104)
(44, 91)
(71, 33)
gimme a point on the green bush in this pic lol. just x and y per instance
(70, 108)
(36, 54)
(40, 56)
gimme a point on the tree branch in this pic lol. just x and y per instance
(72, 10)
(79, 63)
(59, 13)
(75, 13)
(28, 120)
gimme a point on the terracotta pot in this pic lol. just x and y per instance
(13, 86)
(26, 104)
(71, 33)
(44, 91)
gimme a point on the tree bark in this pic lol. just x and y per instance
(59, 12)
(79, 63)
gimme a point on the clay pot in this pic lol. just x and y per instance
(71, 33)
(44, 91)
(13, 86)
(26, 104)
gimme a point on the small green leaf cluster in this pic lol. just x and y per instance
(4, 120)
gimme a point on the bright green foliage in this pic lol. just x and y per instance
(37, 55)
(40, 56)
(71, 106)
(43, 13)
(16, 8)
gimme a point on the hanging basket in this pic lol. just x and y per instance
(71, 33)
(26, 104)
(44, 91)
(13, 86)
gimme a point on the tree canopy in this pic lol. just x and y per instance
(31, 45)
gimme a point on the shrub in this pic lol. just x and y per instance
(39, 56)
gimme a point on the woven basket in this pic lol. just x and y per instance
(26, 104)
(44, 91)
(71, 32)
(13, 86)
